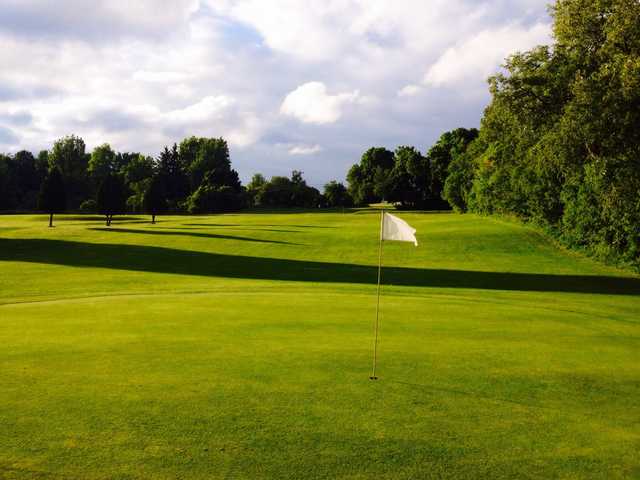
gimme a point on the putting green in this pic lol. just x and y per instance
(239, 346)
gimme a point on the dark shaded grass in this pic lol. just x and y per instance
(173, 261)
(255, 224)
(190, 234)
(232, 227)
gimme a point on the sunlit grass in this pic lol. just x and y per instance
(239, 346)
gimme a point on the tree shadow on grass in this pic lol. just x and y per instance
(189, 234)
(101, 218)
(233, 227)
(254, 225)
(184, 262)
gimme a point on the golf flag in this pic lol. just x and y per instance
(391, 228)
(394, 228)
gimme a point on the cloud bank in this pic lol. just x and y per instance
(291, 85)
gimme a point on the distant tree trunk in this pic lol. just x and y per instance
(51, 220)
(153, 218)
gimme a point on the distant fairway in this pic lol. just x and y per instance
(239, 346)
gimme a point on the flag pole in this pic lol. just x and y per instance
(375, 342)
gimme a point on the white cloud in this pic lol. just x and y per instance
(96, 20)
(329, 30)
(481, 55)
(409, 91)
(305, 149)
(144, 74)
(302, 29)
(206, 110)
(310, 103)
(160, 76)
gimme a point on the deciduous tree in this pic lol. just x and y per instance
(112, 197)
(52, 198)
(155, 198)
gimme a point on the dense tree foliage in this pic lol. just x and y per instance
(284, 192)
(155, 197)
(178, 173)
(138, 172)
(407, 184)
(68, 154)
(111, 197)
(102, 163)
(173, 170)
(406, 177)
(7, 185)
(203, 155)
(337, 195)
(216, 186)
(20, 179)
(459, 181)
(254, 187)
(52, 197)
(560, 144)
(212, 197)
(450, 146)
(367, 179)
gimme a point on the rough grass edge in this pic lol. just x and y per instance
(596, 252)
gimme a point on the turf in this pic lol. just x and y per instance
(239, 346)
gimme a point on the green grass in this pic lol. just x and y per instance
(239, 346)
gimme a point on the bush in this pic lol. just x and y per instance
(285, 192)
(212, 199)
(337, 195)
(89, 206)
(134, 203)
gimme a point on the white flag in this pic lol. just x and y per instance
(394, 228)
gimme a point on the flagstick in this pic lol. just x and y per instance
(375, 342)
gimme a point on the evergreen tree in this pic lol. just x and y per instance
(174, 174)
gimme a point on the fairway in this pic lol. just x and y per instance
(239, 346)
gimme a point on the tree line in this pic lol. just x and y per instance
(406, 177)
(194, 176)
(559, 143)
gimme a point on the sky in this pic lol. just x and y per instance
(291, 84)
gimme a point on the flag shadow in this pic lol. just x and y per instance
(184, 262)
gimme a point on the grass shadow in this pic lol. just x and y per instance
(233, 227)
(184, 262)
(189, 234)
(101, 218)
(255, 225)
